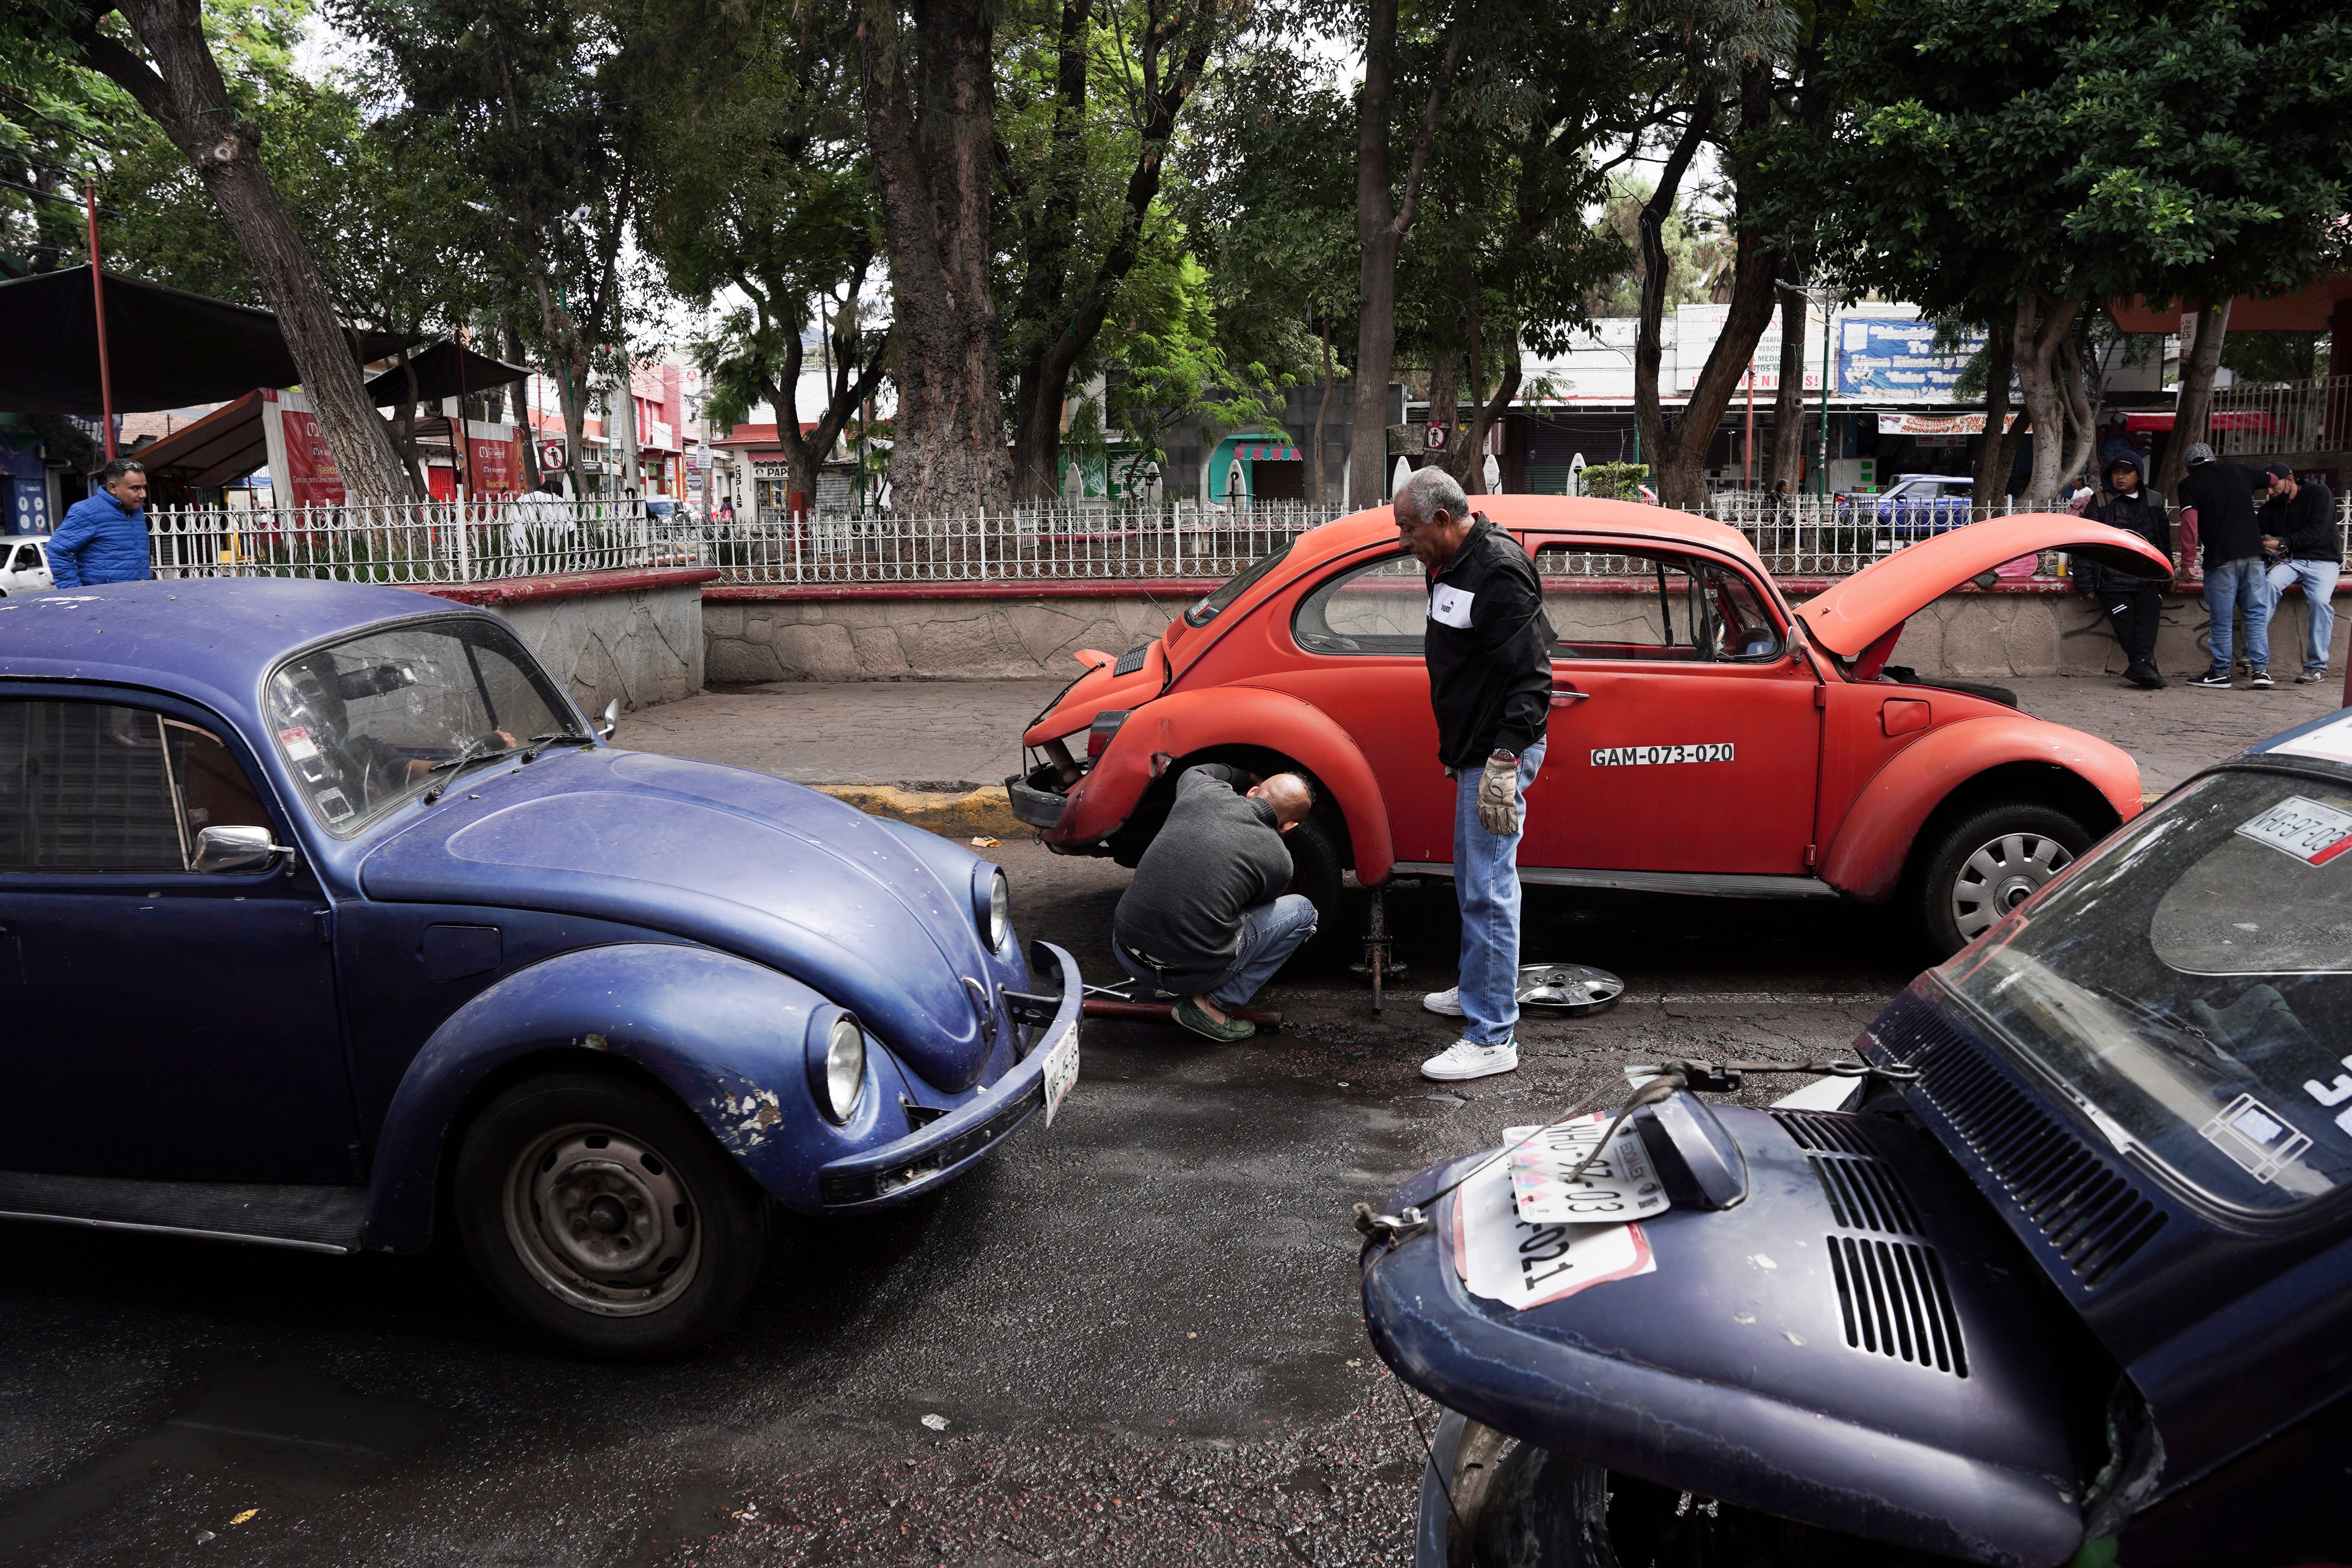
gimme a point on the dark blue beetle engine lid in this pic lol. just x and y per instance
(742, 862)
(1783, 1355)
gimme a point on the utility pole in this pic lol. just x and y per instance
(98, 303)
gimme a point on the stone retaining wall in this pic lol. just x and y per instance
(634, 636)
(993, 631)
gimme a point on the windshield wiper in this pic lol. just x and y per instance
(481, 748)
(538, 743)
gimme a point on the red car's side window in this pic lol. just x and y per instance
(1649, 605)
(1379, 607)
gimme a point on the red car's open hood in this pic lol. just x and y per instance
(1857, 612)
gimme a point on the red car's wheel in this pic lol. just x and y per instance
(1990, 862)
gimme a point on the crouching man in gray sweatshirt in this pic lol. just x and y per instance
(1206, 918)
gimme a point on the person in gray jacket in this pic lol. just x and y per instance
(1206, 917)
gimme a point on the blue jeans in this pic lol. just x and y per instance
(1486, 887)
(2318, 580)
(1270, 934)
(2240, 585)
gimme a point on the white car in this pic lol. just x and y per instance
(24, 564)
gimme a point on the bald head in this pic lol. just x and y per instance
(1291, 796)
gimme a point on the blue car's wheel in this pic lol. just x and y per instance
(603, 1215)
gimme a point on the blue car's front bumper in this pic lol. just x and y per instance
(944, 1148)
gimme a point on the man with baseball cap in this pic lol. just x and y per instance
(2299, 522)
(2218, 498)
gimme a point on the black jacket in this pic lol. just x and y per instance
(1219, 856)
(1489, 649)
(2142, 513)
(2223, 495)
(2306, 524)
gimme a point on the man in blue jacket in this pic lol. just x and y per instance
(104, 537)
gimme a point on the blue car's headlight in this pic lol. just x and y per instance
(836, 1062)
(992, 904)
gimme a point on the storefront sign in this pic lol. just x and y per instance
(1894, 356)
(310, 466)
(494, 467)
(1935, 423)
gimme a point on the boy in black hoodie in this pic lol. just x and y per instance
(2134, 607)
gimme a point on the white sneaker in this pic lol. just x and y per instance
(1466, 1059)
(1448, 1002)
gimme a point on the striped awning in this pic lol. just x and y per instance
(1267, 454)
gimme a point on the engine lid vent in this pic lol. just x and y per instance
(2095, 1219)
(1835, 1134)
(1865, 1195)
(1132, 660)
(1896, 1302)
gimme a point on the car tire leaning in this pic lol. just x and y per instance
(602, 1214)
(1987, 863)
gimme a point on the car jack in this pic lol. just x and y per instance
(1378, 962)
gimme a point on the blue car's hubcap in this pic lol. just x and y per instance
(601, 1220)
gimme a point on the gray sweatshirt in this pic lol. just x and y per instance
(1218, 855)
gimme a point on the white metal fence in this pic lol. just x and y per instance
(419, 543)
(2283, 416)
(481, 541)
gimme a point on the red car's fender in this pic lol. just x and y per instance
(1866, 858)
(1178, 725)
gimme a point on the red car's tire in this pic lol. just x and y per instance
(1989, 862)
(602, 1214)
(1315, 872)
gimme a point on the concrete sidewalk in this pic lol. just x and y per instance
(947, 740)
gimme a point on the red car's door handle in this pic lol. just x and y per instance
(1561, 695)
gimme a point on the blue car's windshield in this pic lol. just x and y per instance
(2191, 987)
(361, 724)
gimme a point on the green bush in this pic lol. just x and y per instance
(1615, 481)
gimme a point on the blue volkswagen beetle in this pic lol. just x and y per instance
(2069, 1282)
(323, 911)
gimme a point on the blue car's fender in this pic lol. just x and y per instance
(726, 1035)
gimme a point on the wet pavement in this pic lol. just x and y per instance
(1133, 1338)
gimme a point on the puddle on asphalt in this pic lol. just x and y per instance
(288, 1434)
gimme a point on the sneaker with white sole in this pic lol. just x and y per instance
(1468, 1059)
(1448, 1002)
(2217, 681)
(2311, 678)
(2261, 679)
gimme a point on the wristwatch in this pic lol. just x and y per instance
(1504, 753)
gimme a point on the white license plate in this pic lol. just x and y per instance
(2312, 833)
(1061, 1072)
(1620, 1184)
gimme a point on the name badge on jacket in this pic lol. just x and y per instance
(1450, 607)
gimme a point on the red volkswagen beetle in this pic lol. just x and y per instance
(1706, 736)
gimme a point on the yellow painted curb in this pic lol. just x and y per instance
(984, 813)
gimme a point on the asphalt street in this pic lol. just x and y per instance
(1132, 1338)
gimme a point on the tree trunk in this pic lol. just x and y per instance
(1787, 460)
(2189, 425)
(2042, 324)
(1489, 409)
(1322, 413)
(2082, 432)
(1997, 456)
(930, 117)
(1649, 418)
(1680, 463)
(1445, 408)
(1382, 223)
(184, 94)
(512, 343)
(620, 409)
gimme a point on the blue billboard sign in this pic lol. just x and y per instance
(1894, 356)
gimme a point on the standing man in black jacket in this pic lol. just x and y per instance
(2222, 495)
(2299, 522)
(2135, 606)
(1489, 652)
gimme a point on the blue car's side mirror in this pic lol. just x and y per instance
(236, 848)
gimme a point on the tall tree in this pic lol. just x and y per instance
(929, 96)
(2014, 160)
(166, 66)
(1121, 78)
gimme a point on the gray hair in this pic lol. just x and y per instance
(1427, 491)
(120, 466)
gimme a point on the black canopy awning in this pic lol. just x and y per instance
(166, 348)
(438, 377)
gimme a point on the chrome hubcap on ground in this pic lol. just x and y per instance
(601, 1220)
(2003, 875)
